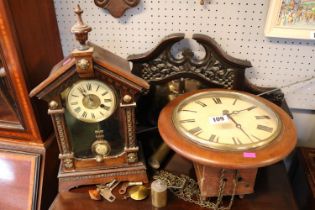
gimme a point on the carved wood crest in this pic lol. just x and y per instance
(170, 76)
(116, 7)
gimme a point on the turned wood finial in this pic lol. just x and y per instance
(81, 30)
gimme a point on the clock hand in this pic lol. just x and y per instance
(82, 91)
(239, 126)
(247, 109)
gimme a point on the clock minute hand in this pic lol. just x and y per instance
(239, 126)
(238, 111)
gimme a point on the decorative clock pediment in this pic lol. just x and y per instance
(92, 97)
(170, 76)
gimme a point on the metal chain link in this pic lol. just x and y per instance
(187, 189)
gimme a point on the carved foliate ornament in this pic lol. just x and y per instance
(116, 7)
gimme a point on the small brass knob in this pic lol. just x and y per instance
(53, 105)
(132, 157)
(127, 98)
(83, 64)
(99, 158)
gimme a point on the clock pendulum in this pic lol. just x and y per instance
(227, 135)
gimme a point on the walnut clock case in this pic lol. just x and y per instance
(92, 99)
(230, 130)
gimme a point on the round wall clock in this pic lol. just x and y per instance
(224, 129)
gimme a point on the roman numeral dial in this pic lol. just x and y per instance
(226, 120)
(91, 101)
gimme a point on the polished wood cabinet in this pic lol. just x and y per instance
(29, 47)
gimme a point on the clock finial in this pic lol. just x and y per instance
(81, 30)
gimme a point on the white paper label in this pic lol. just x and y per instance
(218, 119)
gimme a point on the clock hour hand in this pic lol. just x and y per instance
(82, 91)
(239, 126)
(238, 111)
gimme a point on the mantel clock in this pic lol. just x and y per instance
(92, 97)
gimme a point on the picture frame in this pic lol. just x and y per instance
(294, 19)
(20, 176)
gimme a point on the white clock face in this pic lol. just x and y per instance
(226, 120)
(91, 101)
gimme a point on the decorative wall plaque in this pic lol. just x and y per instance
(116, 7)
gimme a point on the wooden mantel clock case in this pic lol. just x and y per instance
(92, 99)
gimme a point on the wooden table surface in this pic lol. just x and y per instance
(272, 192)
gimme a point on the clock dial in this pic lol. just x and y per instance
(226, 120)
(91, 101)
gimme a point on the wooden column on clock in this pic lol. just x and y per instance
(29, 47)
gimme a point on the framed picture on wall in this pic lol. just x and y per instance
(291, 19)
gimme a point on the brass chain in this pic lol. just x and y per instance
(187, 189)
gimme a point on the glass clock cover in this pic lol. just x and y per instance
(226, 120)
(91, 105)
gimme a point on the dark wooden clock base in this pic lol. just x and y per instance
(132, 172)
(209, 181)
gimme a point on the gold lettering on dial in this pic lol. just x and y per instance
(236, 140)
(213, 138)
(195, 131)
(262, 117)
(217, 100)
(187, 121)
(201, 103)
(265, 128)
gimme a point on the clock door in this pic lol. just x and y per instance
(91, 106)
(9, 112)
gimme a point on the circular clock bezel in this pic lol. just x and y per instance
(112, 110)
(220, 146)
(271, 153)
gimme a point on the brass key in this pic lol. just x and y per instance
(106, 192)
(124, 186)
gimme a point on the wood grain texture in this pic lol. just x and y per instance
(209, 179)
(277, 150)
(29, 52)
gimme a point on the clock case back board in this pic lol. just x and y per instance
(77, 169)
(171, 76)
